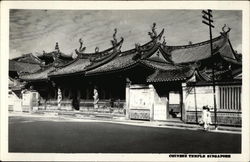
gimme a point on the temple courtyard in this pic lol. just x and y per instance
(58, 135)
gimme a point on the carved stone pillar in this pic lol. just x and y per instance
(59, 98)
(96, 98)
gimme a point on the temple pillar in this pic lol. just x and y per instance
(127, 99)
(184, 95)
(96, 99)
(152, 94)
(59, 98)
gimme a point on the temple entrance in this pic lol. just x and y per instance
(174, 110)
(160, 108)
(76, 99)
(167, 101)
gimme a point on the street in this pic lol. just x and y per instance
(51, 135)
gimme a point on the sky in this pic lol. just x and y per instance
(35, 31)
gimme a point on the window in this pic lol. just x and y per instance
(230, 97)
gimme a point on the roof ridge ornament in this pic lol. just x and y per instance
(224, 33)
(138, 47)
(114, 41)
(81, 48)
(164, 41)
(153, 34)
(96, 49)
(57, 47)
(138, 50)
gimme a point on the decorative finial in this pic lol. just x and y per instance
(137, 47)
(114, 41)
(153, 34)
(139, 52)
(81, 48)
(164, 40)
(57, 46)
(96, 49)
(223, 29)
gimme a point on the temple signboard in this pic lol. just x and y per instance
(140, 99)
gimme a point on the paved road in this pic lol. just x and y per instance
(41, 135)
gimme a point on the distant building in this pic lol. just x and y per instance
(153, 81)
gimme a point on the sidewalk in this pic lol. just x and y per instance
(120, 119)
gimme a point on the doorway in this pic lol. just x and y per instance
(174, 108)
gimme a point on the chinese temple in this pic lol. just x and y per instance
(152, 81)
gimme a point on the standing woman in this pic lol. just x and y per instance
(209, 121)
(204, 117)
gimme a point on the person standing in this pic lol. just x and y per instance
(209, 120)
(206, 117)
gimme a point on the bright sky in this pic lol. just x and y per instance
(32, 31)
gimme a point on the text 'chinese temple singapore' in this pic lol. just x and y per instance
(153, 81)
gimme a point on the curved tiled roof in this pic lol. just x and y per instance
(167, 61)
(206, 75)
(77, 66)
(199, 51)
(37, 76)
(178, 74)
(23, 67)
(86, 62)
(128, 58)
(159, 65)
(28, 58)
(117, 63)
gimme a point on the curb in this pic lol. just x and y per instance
(122, 120)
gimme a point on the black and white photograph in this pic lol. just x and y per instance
(124, 81)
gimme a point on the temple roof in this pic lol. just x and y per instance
(55, 53)
(159, 65)
(37, 76)
(170, 63)
(200, 51)
(118, 63)
(78, 65)
(128, 59)
(88, 61)
(28, 58)
(23, 67)
(178, 74)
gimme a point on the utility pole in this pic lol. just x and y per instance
(208, 21)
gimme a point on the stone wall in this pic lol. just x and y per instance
(140, 100)
(223, 118)
(195, 97)
(143, 114)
